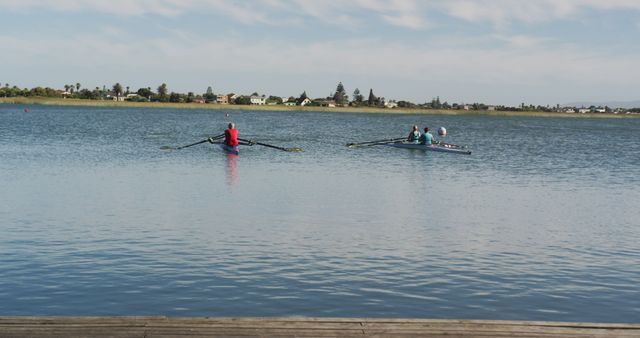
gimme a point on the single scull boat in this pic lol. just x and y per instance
(229, 149)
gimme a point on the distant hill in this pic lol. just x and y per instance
(611, 104)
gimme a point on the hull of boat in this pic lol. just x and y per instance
(230, 149)
(432, 147)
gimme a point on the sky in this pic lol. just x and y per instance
(464, 51)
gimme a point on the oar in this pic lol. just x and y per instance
(251, 142)
(193, 144)
(377, 142)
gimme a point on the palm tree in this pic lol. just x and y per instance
(77, 86)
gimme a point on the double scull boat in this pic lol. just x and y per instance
(445, 148)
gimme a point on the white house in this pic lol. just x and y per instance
(305, 102)
(391, 104)
(258, 100)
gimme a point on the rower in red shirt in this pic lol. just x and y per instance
(231, 135)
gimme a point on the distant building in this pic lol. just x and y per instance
(116, 98)
(391, 104)
(231, 98)
(327, 103)
(290, 103)
(584, 110)
(258, 100)
(222, 99)
(305, 102)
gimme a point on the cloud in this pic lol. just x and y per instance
(503, 12)
(523, 41)
(112, 7)
(404, 13)
(272, 65)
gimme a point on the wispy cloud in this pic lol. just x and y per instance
(402, 13)
(504, 12)
(112, 7)
(405, 13)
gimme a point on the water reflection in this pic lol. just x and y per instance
(232, 169)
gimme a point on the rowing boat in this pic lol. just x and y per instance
(229, 149)
(431, 147)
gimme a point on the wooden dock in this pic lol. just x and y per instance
(194, 327)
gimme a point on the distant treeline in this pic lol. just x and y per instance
(339, 99)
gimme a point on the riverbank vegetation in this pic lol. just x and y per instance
(121, 96)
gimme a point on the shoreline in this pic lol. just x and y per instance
(46, 101)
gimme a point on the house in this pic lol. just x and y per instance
(258, 100)
(305, 102)
(584, 110)
(116, 98)
(289, 103)
(391, 104)
(222, 99)
(231, 98)
(327, 103)
(491, 108)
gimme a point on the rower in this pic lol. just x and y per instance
(231, 135)
(414, 135)
(427, 137)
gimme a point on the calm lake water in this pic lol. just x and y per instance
(541, 222)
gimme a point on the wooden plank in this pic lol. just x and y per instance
(192, 327)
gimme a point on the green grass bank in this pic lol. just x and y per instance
(26, 101)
